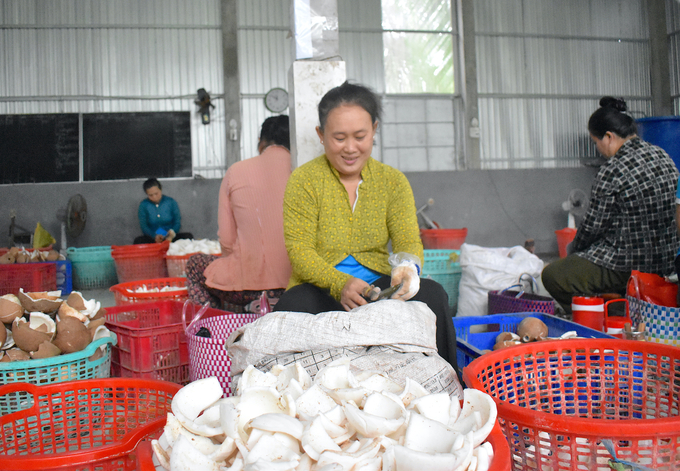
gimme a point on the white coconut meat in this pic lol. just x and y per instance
(433, 406)
(278, 422)
(303, 428)
(185, 457)
(252, 377)
(478, 415)
(196, 396)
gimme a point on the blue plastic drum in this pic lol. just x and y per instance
(662, 131)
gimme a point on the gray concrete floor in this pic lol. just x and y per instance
(103, 295)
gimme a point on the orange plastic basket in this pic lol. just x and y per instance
(83, 425)
(127, 293)
(558, 400)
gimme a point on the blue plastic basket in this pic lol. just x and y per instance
(443, 267)
(68, 367)
(472, 344)
(93, 267)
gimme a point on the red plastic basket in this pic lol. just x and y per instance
(140, 262)
(83, 425)
(126, 293)
(151, 341)
(29, 276)
(450, 239)
(177, 264)
(557, 401)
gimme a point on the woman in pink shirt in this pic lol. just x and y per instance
(250, 220)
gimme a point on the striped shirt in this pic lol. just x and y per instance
(630, 222)
(320, 228)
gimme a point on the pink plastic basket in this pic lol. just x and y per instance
(207, 355)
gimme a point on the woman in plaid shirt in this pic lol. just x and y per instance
(630, 222)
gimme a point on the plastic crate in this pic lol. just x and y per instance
(93, 267)
(558, 401)
(64, 276)
(443, 267)
(126, 293)
(88, 425)
(151, 341)
(177, 264)
(471, 344)
(140, 262)
(68, 367)
(41, 276)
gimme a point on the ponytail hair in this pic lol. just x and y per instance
(612, 117)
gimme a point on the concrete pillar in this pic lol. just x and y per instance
(309, 81)
(232, 87)
(660, 75)
(468, 82)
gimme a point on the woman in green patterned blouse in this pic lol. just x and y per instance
(342, 209)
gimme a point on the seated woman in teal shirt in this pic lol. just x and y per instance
(159, 216)
(343, 209)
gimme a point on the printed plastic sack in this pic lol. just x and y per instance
(486, 269)
(395, 337)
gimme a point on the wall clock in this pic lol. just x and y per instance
(276, 100)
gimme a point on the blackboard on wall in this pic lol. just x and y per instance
(136, 145)
(39, 148)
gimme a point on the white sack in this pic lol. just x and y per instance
(394, 337)
(486, 269)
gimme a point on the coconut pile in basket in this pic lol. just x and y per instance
(38, 325)
(283, 420)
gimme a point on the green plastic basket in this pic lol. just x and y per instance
(443, 267)
(93, 267)
(68, 367)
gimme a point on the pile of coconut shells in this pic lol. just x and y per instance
(19, 255)
(38, 325)
(530, 329)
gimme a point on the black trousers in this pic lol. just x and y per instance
(314, 300)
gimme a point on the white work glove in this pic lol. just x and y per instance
(406, 270)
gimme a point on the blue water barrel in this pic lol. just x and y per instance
(662, 131)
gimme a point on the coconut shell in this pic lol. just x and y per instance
(101, 314)
(67, 311)
(52, 256)
(46, 350)
(15, 354)
(27, 339)
(72, 335)
(23, 257)
(7, 258)
(10, 308)
(76, 301)
(532, 329)
(39, 301)
(3, 334)
(94, 323)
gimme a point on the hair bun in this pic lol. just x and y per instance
(618, 104)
